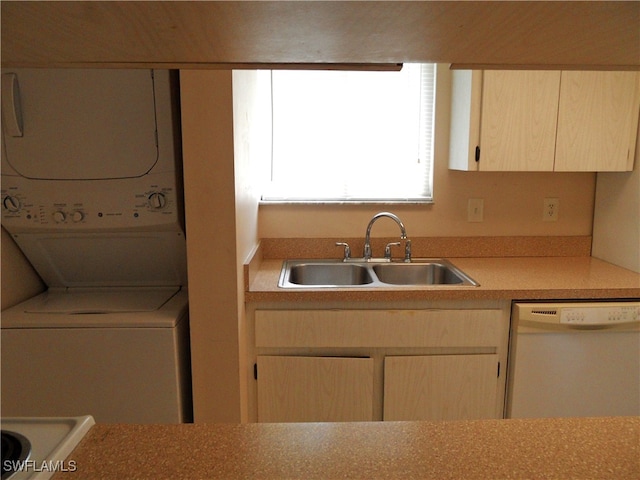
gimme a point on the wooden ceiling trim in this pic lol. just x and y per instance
(500, 33)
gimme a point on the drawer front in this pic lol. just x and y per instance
(378, 328)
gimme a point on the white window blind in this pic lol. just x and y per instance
(352, 136)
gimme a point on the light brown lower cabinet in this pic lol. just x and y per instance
(314, 389)
(341, 389)
(335, 365)
(440, 387)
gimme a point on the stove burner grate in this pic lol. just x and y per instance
(15, 449)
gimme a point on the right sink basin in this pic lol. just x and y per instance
(427, 273)
(372, 274)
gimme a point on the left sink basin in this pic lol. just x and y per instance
(328, 274)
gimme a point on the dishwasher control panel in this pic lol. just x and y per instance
(599, 315)
(579, 313)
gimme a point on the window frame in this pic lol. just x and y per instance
(428, 97)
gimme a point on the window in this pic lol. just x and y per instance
(345, 136)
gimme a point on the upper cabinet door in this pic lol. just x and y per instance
(544, 120)
(519, 119)
(597, 121)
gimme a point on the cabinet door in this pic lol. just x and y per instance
(519, 119)
(440, 387)
(597, 121)
(314, 389)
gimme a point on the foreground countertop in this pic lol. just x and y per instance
(500, 278)
(598, 448)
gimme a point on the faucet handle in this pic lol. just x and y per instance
(407, 250)
(347, 250)
(387, 249)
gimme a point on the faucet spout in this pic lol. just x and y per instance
(367, 238)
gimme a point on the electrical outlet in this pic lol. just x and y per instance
(550, 210)
(475, 210)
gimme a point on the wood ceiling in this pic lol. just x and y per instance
(202, 34)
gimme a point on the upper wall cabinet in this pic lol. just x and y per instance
(565, 121)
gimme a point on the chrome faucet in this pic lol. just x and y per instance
(403, 236)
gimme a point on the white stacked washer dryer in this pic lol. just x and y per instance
(91, 193)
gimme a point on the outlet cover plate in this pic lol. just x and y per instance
(550, 209)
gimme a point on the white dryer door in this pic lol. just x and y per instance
(80, 124)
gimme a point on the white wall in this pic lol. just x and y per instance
(251, 149)
(616, 222)
(220, 151)
(209, 187)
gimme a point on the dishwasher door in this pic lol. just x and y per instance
(574, 360)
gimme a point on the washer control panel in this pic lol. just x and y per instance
(87, 205)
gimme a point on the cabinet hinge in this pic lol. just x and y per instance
(255, 371)
(498, 369)
(477, 154)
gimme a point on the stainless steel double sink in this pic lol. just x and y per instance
(371, 274)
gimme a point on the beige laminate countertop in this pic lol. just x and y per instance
(500, 278)
(588, 448)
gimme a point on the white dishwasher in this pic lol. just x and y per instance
(574, 359)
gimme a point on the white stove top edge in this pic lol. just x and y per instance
(52, 440)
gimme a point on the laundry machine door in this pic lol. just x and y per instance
(82, 124)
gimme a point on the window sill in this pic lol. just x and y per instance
(347, 202)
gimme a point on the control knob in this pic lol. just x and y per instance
(77, 216)
(157, 200)
(11, 203)
(59, 216)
